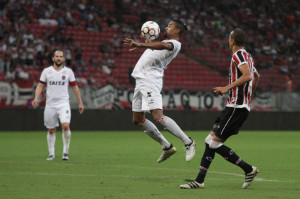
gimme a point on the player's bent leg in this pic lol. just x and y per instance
(206, 160)
(151, 130)
(215, 144)
(170, 125)
(66, 137)
(229, 155)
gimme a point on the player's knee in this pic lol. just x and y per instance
(65, 127)
(215, 144)
(157, 115)
(208, 138)
(52, 130)
(138, 122)
(162, 119)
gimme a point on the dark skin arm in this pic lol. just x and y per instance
(148, 44)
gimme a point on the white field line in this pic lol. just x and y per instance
(127, 176)
(103, 175)
(133, 167)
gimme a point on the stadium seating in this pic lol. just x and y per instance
(198, 67)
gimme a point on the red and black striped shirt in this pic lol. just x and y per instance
(240, 97)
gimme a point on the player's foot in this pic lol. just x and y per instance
(51, 157)
(192, 185)
(65, 156)
(190, 151)
(249, 177)
(166, 153)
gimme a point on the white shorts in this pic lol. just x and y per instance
(147, 96)
(52, 114)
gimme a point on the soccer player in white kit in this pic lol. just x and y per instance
(148, 73)
(57, 79)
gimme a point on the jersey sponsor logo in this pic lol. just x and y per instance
(60, 83)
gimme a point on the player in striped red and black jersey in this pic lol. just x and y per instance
(240, 96)
(243, 80)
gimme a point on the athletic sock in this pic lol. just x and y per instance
(51, 142)
(154, 133)
(66, 137)
(173, 128)
(206, 160)
(229, 155)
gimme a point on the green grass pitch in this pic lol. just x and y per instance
(123, 165)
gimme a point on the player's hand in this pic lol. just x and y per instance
(81, 108)
(34, 103)
(220, 90)
(147, 41)
(132, 44)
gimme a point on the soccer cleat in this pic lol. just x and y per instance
(65, 156)
(51, 157)
(166, 153)
(192, 185)
(190, 151)
(249, 177)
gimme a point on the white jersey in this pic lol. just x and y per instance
(57, 84)
(153, 62)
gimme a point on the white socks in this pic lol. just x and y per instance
(51, 142)
(154, 133)
(173, 128)
(66, 137)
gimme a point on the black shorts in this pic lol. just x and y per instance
(229, 122)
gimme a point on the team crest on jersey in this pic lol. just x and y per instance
(63, 77)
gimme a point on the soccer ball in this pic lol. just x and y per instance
(150, 30)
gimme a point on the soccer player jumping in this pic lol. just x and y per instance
(57, 78)
(243, 81)
(148, 73)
